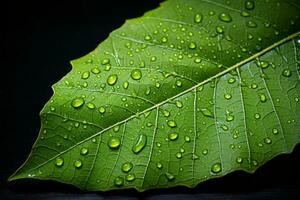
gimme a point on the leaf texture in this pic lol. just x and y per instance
(191, 91)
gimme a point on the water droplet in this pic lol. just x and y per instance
(179, 104)
(207, 112)
(198, 18)
(275, 131)
(105, 61)
(254, 162)
(178, 83)
(102, 110)
(197, 60)
(192, 45)
(140, 144)
(286, 73)
(78, 102)
(245, 14)
(52, 108)
(173, 136)
(254, 86)
(262, 98)
(112, 79)
(227, 96)
(85, 75)
(147, 37)
(136, 74)
(296, 99)
(216, 168)
(224, 127)
(219, 29)
(153, 58)
(130, 177)
(166, 113)
(251, 24)
(178, 155)
(114, 142)
(95, 70)
(119, 181)
(159, 165)
(164, 39)
(263, 64)
(187, 138)
(205, 152)
(229, 117)
(84, 151)
(125, 85)
(78, 164)
(169, 176)
(59, 162)
(239, 160)
(268, 140)
(90, 105)
(195, 157)
(249, 4)
(126, 167)
(225, 17)
(257, 116)
(172, 123)
(231, 80)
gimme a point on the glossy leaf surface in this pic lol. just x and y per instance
(190, 91)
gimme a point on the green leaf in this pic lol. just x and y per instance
(191, 91)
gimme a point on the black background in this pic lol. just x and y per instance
(37, 42)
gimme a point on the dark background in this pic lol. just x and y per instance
(37, 42)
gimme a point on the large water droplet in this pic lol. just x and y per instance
(216, 168)
(78, 102)
(59, 162)
(225, 17)
(173, 136)
(119, 181)
(262, 98)
(179, 104)
(126, 167)
(172, 124)
(90, 105)
(140, 144)
(136, 74)
(112, 79)
(102, 110)
(114, 142)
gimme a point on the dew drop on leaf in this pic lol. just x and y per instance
(251, 24)
(268, 140)
(78, 163)
(136, 74)
(275, 131)
(179, 104)
(173, 136)
(126, 167)
(84, 151)
(249, 4)
(169, 176)
(85, 75)
(140, 144)
(125, 85)
(130, 177)
(198, 18)
(102, 110)
(95, 70)
(216, 168)
(239, 160)
(286, 73)
(90, 105)
(105, 61)
(59, 162)
(114, 142)
(262, 98)
(227, 96)
(112, 79)
(207, 112)
(78, 102)
(192, 45)
(159, 165)
(172, 124)
(119, 181)
(225, 17)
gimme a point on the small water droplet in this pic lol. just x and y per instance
(136, 74)
(231, 80)
(262, 98)
(78, 102)
(153, 58)
(219, 30)
(140, 144)
(166, 113)
(257, 116)
(192, 45)
(224, 127)
(268, 140)
(114, 142)
(125, 85)
(84, 151)
(249, 4)
(173, 136)
(275, 131)
(178, 155)
(187, 138)
(179, 104)
(105, 61)
(90, 105)
(102, 110)
(85, 75)
(198, 18)
(130, 177)
(95, 70)
(119, 181)
(59, 162)
(229, 117)
(169, 176)
(78, 164)
(251, 24)
(172, 124)
(216, 168)
(205, 151)
(159, 165)
(197, 60)
(245, 13)
(225, 17)
(178, 83)
(112, 79)
(227, 96)
(239, 160)
(207, 112)
(126, 167)
(286, 73)
(147, 37)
